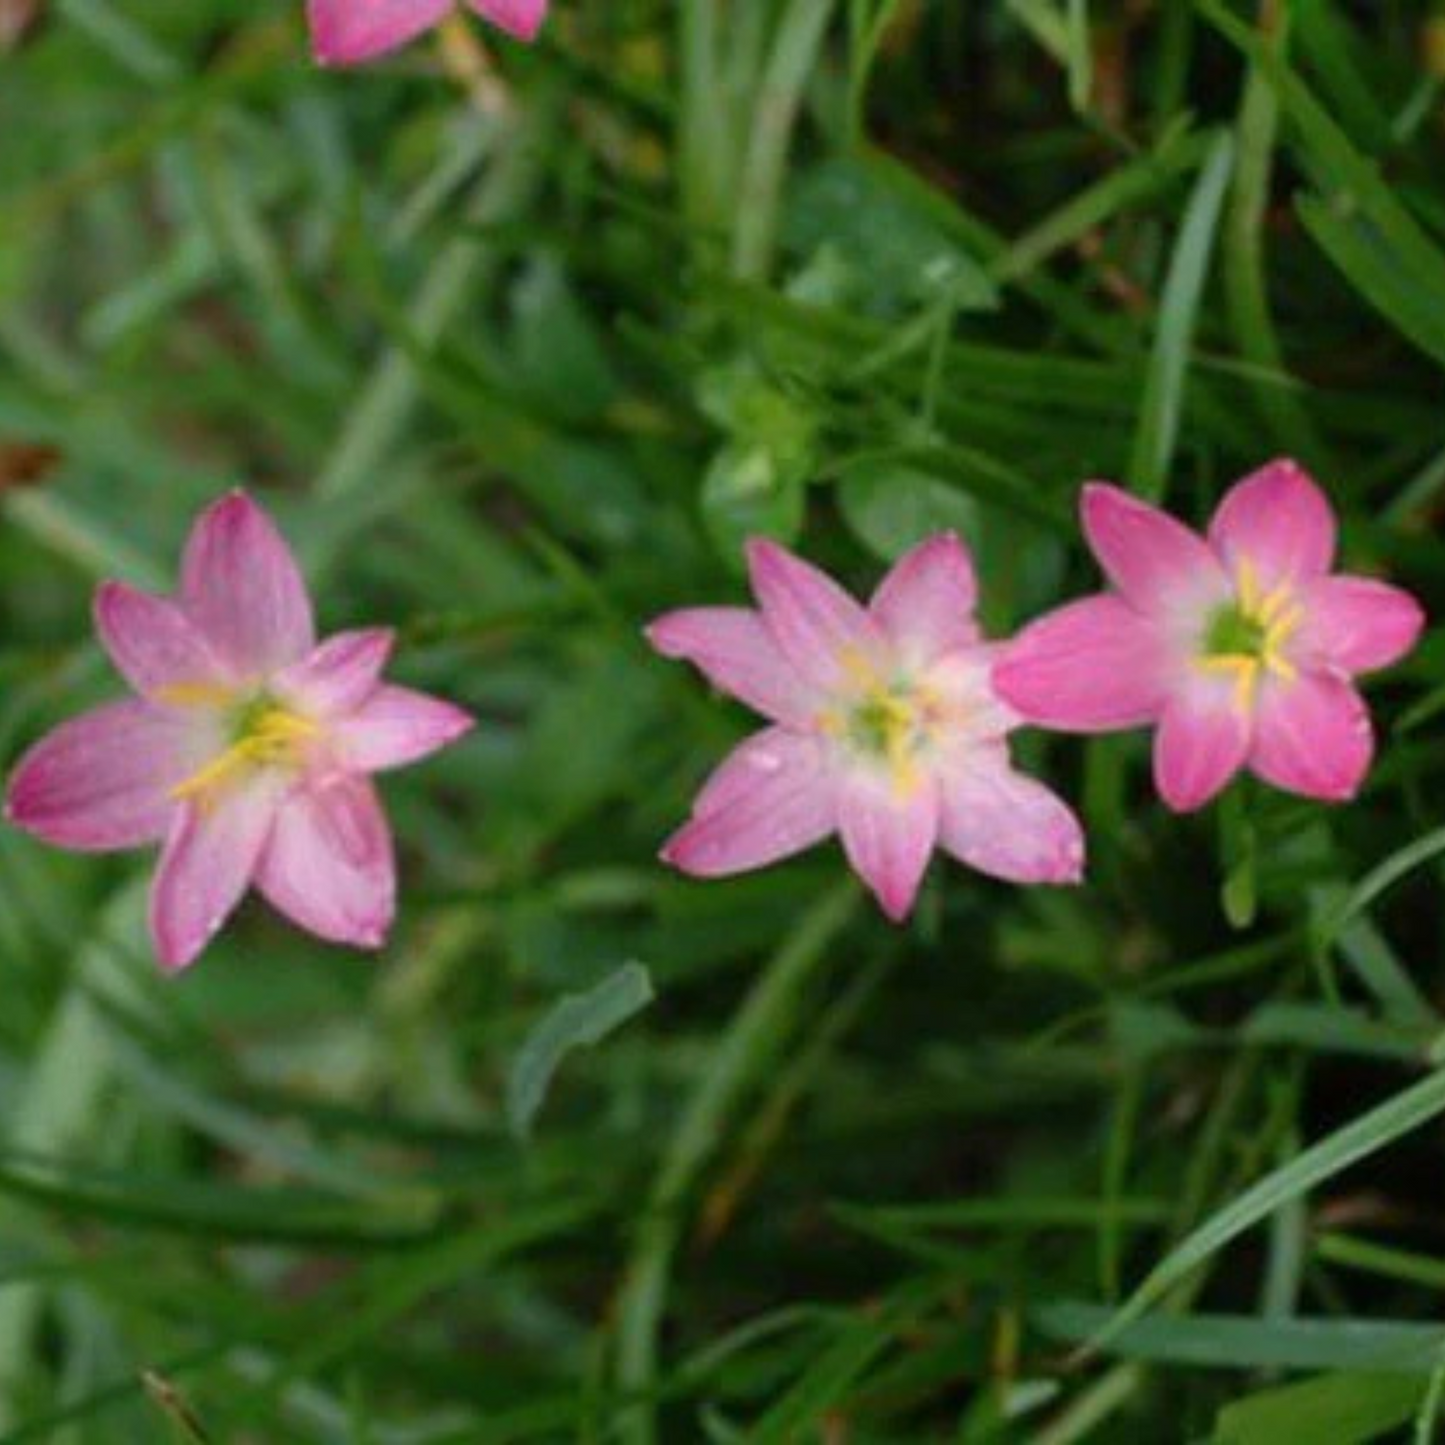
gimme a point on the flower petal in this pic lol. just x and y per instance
(1279, 522)
(765, 802)
(339, 675)
(1356, 624)
(208, 862)
(734, 650)
(154, 645)
(241, 587)
(1312, 736)
(1156, 562)
(888, 834)
(103, 780)
(329, 864)
(966, 705)
(822, 631)
(396, 726)
(1203, 737)
(1007, 824)
(522, 18)
(347, 32)
(755, 761)
(1092, 666)
(925, 603)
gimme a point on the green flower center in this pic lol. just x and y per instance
(1249, 637)
(882, 726)
(1232, 632)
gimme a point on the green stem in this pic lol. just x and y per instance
(752, 1044)
(380, 417)
(1244, 277)
(794, 56)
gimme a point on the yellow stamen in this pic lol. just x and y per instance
(1277, 616)
(273, 739)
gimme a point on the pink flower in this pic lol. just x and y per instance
(1240, 646)
(884, 729)
(349, 32)
(247, 752)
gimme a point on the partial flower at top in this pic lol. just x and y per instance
(247, 753)
(351, 32)
(1240, 646)
(883, 728)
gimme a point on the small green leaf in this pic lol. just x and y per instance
(892, 507)
(1345, 1409)
(751, 490)
(579, 1019)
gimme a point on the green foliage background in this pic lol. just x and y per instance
(519, 344)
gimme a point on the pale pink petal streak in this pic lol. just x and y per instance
(822, 631)
(395, 726)
(348, 32)
(755, 762)
(734, 650)
(925, 603)
(888, 833)
(1313, 737)
(757, 813)
(1091, 666)
(1156, 562)
(1202, 741)
(1279, 522)
(104, 780)
(339, 675)
(207, 864)
(1006, 824)
(522, 18)
(153, 644)
(241, 587)
(329, 863)
(1356, 624)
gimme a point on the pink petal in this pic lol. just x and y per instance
(1312, 736)
(329, 865)
(755, 761)
(1202, 741)
(339, 675)
(967, 705)
(208, 862)
(153, 644)
(522, 18)
(1008, 825)
(1156, 562)
(1092, 666)
(1356, 624)
(821, 630)
(396, 726)
(888, 833)
(103, 780)
(1278, 521)
(241, 587)
(734, 650)
(347, 32)
(925, 603)
(788, 807)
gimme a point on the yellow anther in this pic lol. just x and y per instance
(272, 738)
(1272, 618)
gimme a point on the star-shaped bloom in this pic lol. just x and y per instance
(350, 32)
(1239, 647)
(247, 753)
(883, 728)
